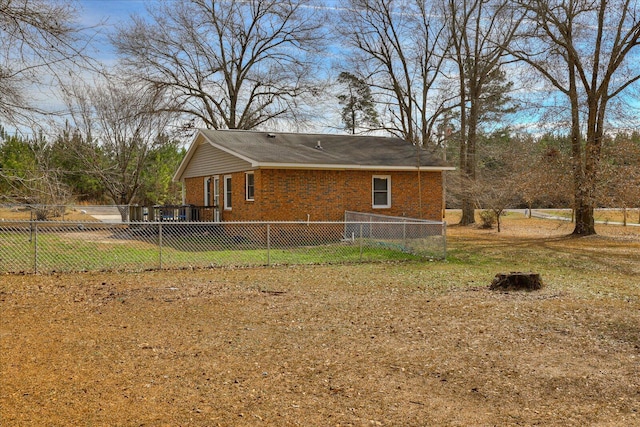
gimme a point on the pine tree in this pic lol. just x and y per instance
(358, 109)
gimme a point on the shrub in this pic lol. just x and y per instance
(488, 219)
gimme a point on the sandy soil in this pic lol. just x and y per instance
(414, 344)
(23, 214)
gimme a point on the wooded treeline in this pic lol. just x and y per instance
(69, 170)
(536, 102)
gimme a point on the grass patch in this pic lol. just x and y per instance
(104, 250)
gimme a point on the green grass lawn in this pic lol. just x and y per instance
(78, 252)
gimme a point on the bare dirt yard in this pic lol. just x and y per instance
(388, 344)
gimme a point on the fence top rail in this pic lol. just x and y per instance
(89, 224)
(352, 215)
(41, 206)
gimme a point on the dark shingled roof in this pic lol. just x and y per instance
(276, 148)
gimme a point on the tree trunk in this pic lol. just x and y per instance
(468, 213)
(583, 204)
(585, 224)
(468, 208)
(586, 182)
(124, 212)
(467, 162)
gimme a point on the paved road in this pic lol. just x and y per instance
(540, 213)
(107, 214)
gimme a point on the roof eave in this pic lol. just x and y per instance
(268, 165)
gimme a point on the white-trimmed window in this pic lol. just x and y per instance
(216, 191)
(227, 192)
(249, 189)
(207, 191)
(381, 191)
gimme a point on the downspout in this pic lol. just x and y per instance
(419, 183)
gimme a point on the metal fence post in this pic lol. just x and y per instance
(35, 252)
(361, 242)
(160, 243)
(404, 234)
(444, 240)
(268, 244)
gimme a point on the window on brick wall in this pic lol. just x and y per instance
(207, 191)
(381, 191)
(249, 186)
(227, 192)
(216, 191)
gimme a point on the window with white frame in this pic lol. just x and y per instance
(216, 191)
(381, 191)
(227, 192)
(207, 191)
(249, 188)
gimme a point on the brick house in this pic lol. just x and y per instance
(239, 175)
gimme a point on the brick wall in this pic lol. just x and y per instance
(194, 191)
(323, 195)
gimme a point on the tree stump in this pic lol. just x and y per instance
(516, 281)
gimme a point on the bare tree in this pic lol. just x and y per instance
(28, 175)
(229, 64)
(502, 168)
(38, 38)
(398, 46)
(543, 162)
(479, 31)
(587, 51)
(119, 126)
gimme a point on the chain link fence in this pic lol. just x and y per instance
(32, 246)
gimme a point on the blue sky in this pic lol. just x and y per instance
(104, 15)
(108, 13)
(113, 10)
